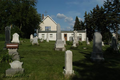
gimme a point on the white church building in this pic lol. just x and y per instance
(49, 27)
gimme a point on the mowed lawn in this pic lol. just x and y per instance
(44, 63)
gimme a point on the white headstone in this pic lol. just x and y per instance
(31, 37)
(15, 38)
(47, 38)
(97, 47)
(16, 64)
(35, 41)
(59, 45)
(88, 41)
(68, 63)
(64, 41)
(75, 40)
(103, 43)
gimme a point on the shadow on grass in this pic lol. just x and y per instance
(108, 70)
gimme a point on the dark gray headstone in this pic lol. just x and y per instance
(97, 54)
(7, 35)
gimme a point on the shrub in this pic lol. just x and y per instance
(5, 58)
(69, 43)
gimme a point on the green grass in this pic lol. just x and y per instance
(43, 63)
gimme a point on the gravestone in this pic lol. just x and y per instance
(16, 67)
(31, 37)
(88, 41)
(103, 43)
(7, 35)
(75, 40)
(35, 41)
(64, 41)
(68, 63)
(47, 38)
(70, 38)
(114, 42)
(97, 54)
(59, 45)
(15, 38)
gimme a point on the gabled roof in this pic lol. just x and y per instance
(50, 18)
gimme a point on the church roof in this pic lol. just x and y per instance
(50, 18)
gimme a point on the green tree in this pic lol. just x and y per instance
(77, 24)
(20, 13)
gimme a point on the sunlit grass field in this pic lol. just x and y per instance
(42, 62)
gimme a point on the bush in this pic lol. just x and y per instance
(5, 58)
(69, 43)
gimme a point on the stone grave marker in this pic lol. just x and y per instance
(16, 67)
(31, 37)
(35, 41)
(68, 63)
(59, 45)
(15, 38)
(47, 38)
(97, 54)
(7, 35)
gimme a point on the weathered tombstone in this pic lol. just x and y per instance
(16, 68)
(88, 41)
(35, 41)
(7, 35)
(64, 41)
(15, 38)
(59, 45)
(70, 38)
(31, 37)
(114, 42)
(97, 54)
(103, 43)
(75, 40)
(47, 38)
(68, 63)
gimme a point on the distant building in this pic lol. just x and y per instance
(49, 26)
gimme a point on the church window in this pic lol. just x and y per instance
(51, 35)
(43, 36)
(47, 28)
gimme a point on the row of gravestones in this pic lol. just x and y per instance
(96, 55)
(16, 65)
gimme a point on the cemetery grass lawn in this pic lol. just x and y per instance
(43, 63)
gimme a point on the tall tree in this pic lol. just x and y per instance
(112, 9)
(77, 24)
(21, 14)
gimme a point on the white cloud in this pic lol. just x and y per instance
(66, 19)
(61, 16)
(69, 28)
(79, 19)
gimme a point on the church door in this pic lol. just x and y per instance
(65, 36)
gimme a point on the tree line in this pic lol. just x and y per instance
(20, 15)
(105, 19)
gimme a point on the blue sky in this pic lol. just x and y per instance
(64, 12)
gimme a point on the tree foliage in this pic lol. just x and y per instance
(79, 25)
(103, 19)
(21, 14)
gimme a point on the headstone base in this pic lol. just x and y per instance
(12, 52)
(97, 56)
(12, 72)
(68, 73)
(60, 49)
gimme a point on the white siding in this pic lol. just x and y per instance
(83, 35)
(48, 22)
